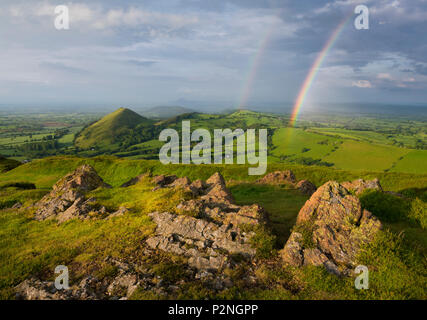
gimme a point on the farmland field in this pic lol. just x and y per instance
(341, 142)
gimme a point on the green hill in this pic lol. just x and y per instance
(122, 127)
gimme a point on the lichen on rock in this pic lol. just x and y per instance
(67, 200)
(207, 229)
(330, 230)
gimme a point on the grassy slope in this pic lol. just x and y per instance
(29, 247)
(103, 132)
(346, 152)
(359, 155)
(44, 173)
(290, 141)
(414, 162)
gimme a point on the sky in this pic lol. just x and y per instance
(226, 53)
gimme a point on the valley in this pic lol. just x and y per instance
(380, 143)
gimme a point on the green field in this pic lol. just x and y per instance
(344, 152)
(338, 141)
(413, 162)
(361, 155)
(292, 141)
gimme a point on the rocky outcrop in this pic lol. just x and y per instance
(208, 229)
(306, 187)
(330, 230)
(128, 277)
(360, 185)
(278, 177)
(121, 286)
(67, 199)
(206, 244)
(287, 177)
(34, 289)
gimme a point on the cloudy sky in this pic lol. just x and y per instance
(220, 52)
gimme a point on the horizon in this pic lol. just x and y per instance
(344, 109)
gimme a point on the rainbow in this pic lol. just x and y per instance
(314, 70)
(255, 63)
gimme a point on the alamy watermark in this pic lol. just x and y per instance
(362, 20)
(62, 17)
(61, 281)
(362, 280)
(62, 20)
(178, 150)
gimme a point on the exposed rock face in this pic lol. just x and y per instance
(330, 230)
(306, 187)
(360, 185)
(129, 276)
(202, 241)
(34, 289)
(67, 198)
(278, 177)
(287, 177)
(121, 286)
(207, 231)
(163, 181)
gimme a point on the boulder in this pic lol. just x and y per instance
(181, 183)
(216, 178)
(218, 192)
(83, 179)
(331, 228)
(250, 215)
(360, 185)
(67, 198)
(306, 187)
(163, 180)
(278, 177)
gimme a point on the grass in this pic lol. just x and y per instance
(412, 162)
(401, 215)
(346, 149)
(103, 133)
(44, 173)
(282, 204)
(33, 248)
(139, 197)
(292, 141)
(355, 155)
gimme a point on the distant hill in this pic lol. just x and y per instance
(122, 127)
(165, 112)
(8, 164)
